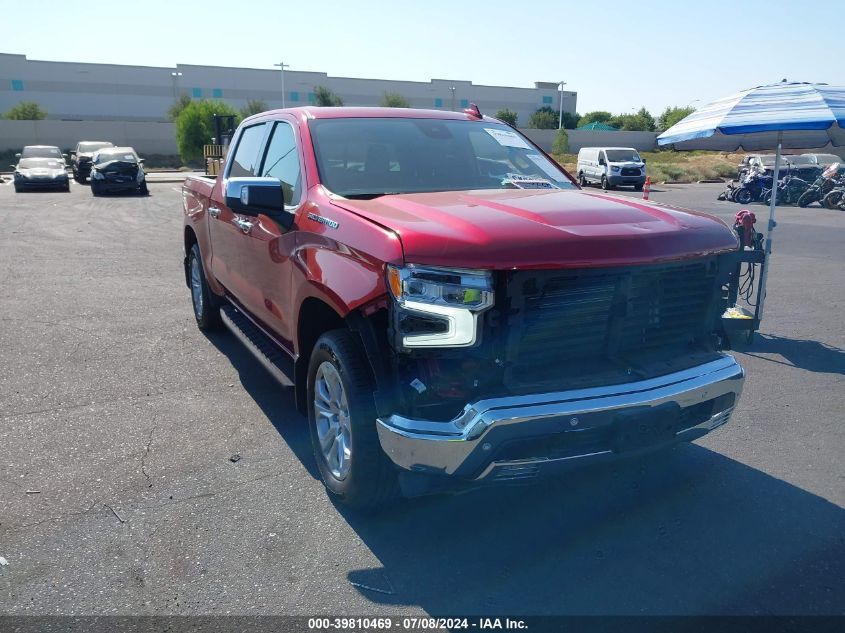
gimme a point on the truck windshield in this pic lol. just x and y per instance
(368, 157)
(622, 156)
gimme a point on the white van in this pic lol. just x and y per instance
(611, 166)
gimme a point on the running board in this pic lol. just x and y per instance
(275, 360)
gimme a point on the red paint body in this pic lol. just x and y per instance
(271, 272)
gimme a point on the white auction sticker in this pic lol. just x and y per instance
(543, 163)
(507, 138)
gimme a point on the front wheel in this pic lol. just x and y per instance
(342, 423)
(581, 180)
(744, 196)
(205, 303)
(604, 184)
(95, 188)
(807, 198)
(832, 200)
(143, 189)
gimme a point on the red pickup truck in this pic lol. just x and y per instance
(450, 307)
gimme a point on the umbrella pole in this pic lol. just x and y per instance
(761, 289)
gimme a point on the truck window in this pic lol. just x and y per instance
(245, 161)
(282, 162)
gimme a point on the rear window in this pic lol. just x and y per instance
(92, 147)
(41, 152)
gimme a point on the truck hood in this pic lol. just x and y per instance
(505, 229)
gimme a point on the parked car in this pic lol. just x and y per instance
(450, 309)
(80, 160)
(117, 169)
(824, 160)
(40, 167)
(611, 167)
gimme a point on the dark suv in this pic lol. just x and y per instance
(81, 158)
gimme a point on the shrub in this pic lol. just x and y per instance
(178, 105)
(671, 116)
(326, 98)
(394, 100)
(254, 106)
(561, 143)
(543, 119)
(597, 116)
(195, 126)
(26, 111)
(506, 115)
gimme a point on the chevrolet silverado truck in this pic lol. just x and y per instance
(450, 308)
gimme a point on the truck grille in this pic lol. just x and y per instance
(589, 320)
(630, 171)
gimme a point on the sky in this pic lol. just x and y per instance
(618, 56)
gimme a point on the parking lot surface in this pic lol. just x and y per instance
(119, 421)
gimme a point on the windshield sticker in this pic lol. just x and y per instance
(517, 181)
(543, 163)
(507, 138)
(128, 157)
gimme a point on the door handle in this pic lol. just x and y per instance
(214, 212)
(243, 225)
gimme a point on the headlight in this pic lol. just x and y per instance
(439, 307)
(97, 175)
(615, 168)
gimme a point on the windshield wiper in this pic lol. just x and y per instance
(369, 196)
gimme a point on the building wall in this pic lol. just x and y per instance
(147, 137)
(69, 90)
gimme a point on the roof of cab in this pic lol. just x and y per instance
(349, 112)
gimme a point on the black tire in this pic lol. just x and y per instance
(143, 189)
(66, 188)
(832, 200)
(207, 310)
(604, 184)
(371, 479)
(581, 180)
(744, 196)
(807, 198)
(638, 187)
(18, 188)
(95, 188)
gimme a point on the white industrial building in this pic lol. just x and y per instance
(81, 91)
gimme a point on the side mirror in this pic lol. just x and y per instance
(64, 155)
(141, 160)
(17, 155)
(252, 196)
(643, 160)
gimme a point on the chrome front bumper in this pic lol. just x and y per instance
(493, 438)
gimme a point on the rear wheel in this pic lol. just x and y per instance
(342, 423)
(205, 302)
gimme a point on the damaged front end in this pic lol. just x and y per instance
(472, 352)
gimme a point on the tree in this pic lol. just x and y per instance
(178, 106)
(326, 98)
(26, 111)
(671, 116)
(640, 121)
(254, 106)
(543, 119)
(508, 116)
(597, 116)
(561, 143)
(394, 100)
(195, 126)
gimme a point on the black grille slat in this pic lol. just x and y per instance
(566, 320)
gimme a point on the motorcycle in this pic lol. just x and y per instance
(789, 190)
(754, 185)
(823, 185)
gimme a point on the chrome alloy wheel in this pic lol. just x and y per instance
(196, 287)
(331, 412)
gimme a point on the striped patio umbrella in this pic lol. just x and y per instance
(777, 116)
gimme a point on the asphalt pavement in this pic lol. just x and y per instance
(119, 492)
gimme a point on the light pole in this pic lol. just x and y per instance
(560, 115)
(452, 89)
(175, 76)
(282, 66)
